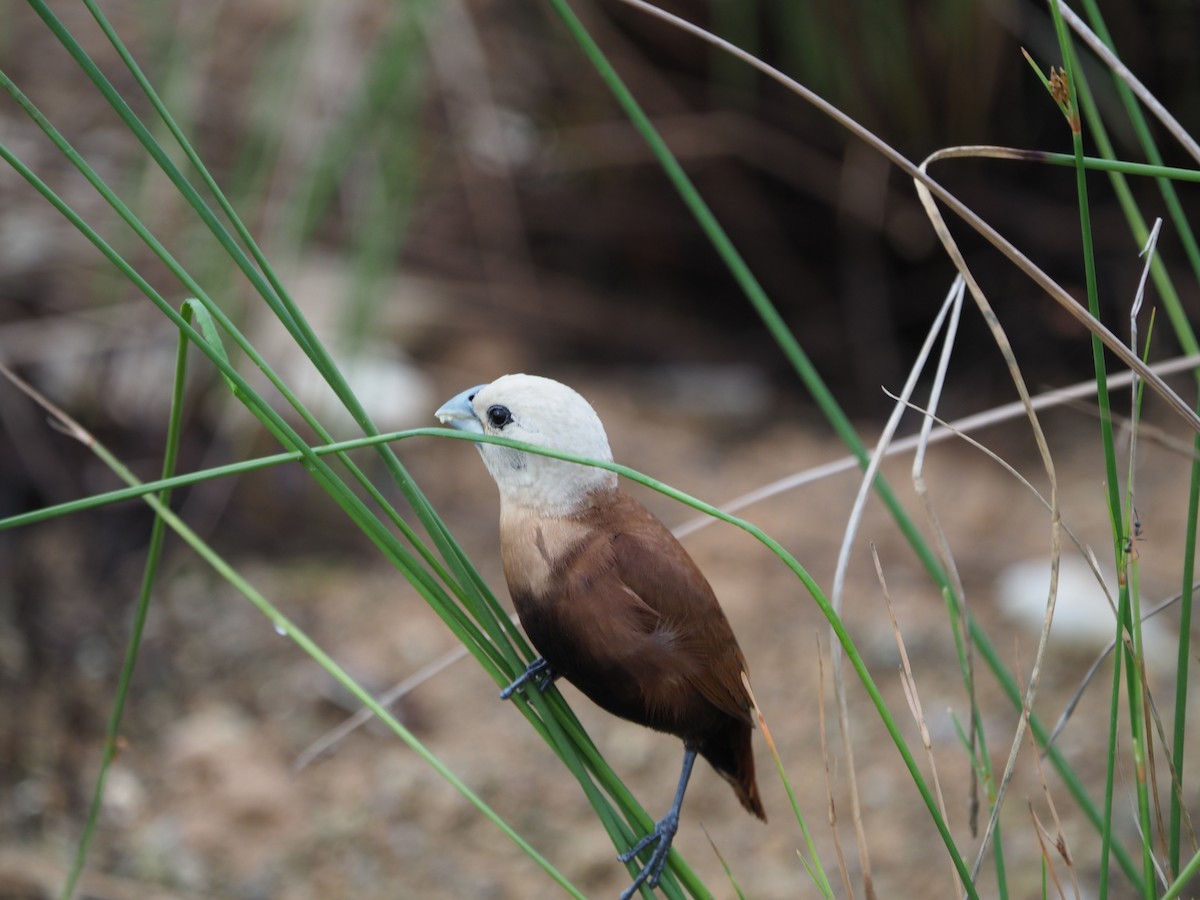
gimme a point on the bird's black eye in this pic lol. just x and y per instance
(498, 416)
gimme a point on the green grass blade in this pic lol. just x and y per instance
(1070, 103)
(500, 653)
(1184, 879)
(1187, 338)
(471, 583)
(481, 648)
(285, 626)
(153, 556)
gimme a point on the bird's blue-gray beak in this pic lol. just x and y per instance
(458, 413)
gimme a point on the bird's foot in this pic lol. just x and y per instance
(662, 836)
(538, 671)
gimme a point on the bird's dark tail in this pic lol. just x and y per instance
(730, 753)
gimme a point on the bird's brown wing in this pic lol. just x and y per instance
(661, 577)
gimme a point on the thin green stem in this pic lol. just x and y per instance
(268, 286)
(1107, 163)
(286, 626)
(153, 556)
(1112, 484)
(1184, 880)
(283, 625)
(1187, 338)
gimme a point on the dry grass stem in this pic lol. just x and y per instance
(829, 776)
(392, 695)
(1172, 770)
(1043, 836)
(1064, 396)
(909, 683)
(1085, 551)
(866, 487)
(1118, 68)
(60, 421)
(1091, 672)
(1146, 432)
(1059, 838)
(1000, 338)
(1134, 388)
(1151, 724)
(942, 544)
(1136, 821)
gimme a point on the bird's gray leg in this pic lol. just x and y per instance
(663, 834)
(538, 671)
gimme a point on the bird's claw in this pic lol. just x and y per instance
(663, 834)
(538, 671)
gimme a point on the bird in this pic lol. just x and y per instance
(608, 597)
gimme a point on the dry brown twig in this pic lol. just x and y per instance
(1172, 770)
(1043, 835)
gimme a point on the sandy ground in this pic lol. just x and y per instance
(203, 800)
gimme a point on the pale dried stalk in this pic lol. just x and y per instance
(1042, 835)
(866, 487)
(1060, 838)
(945, 554)
(1119, 69)
(1165, 743)
(837, 843)
(1002, 343)
(1069, 708)
(909, 683)
(945, 431)
(393, 695)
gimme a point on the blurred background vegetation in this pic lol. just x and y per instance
(448, 189)
(453, 174)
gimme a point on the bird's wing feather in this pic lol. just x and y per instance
(660, 577)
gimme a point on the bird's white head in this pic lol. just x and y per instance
(537, 411)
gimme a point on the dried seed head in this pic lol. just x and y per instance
(1059, 88)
